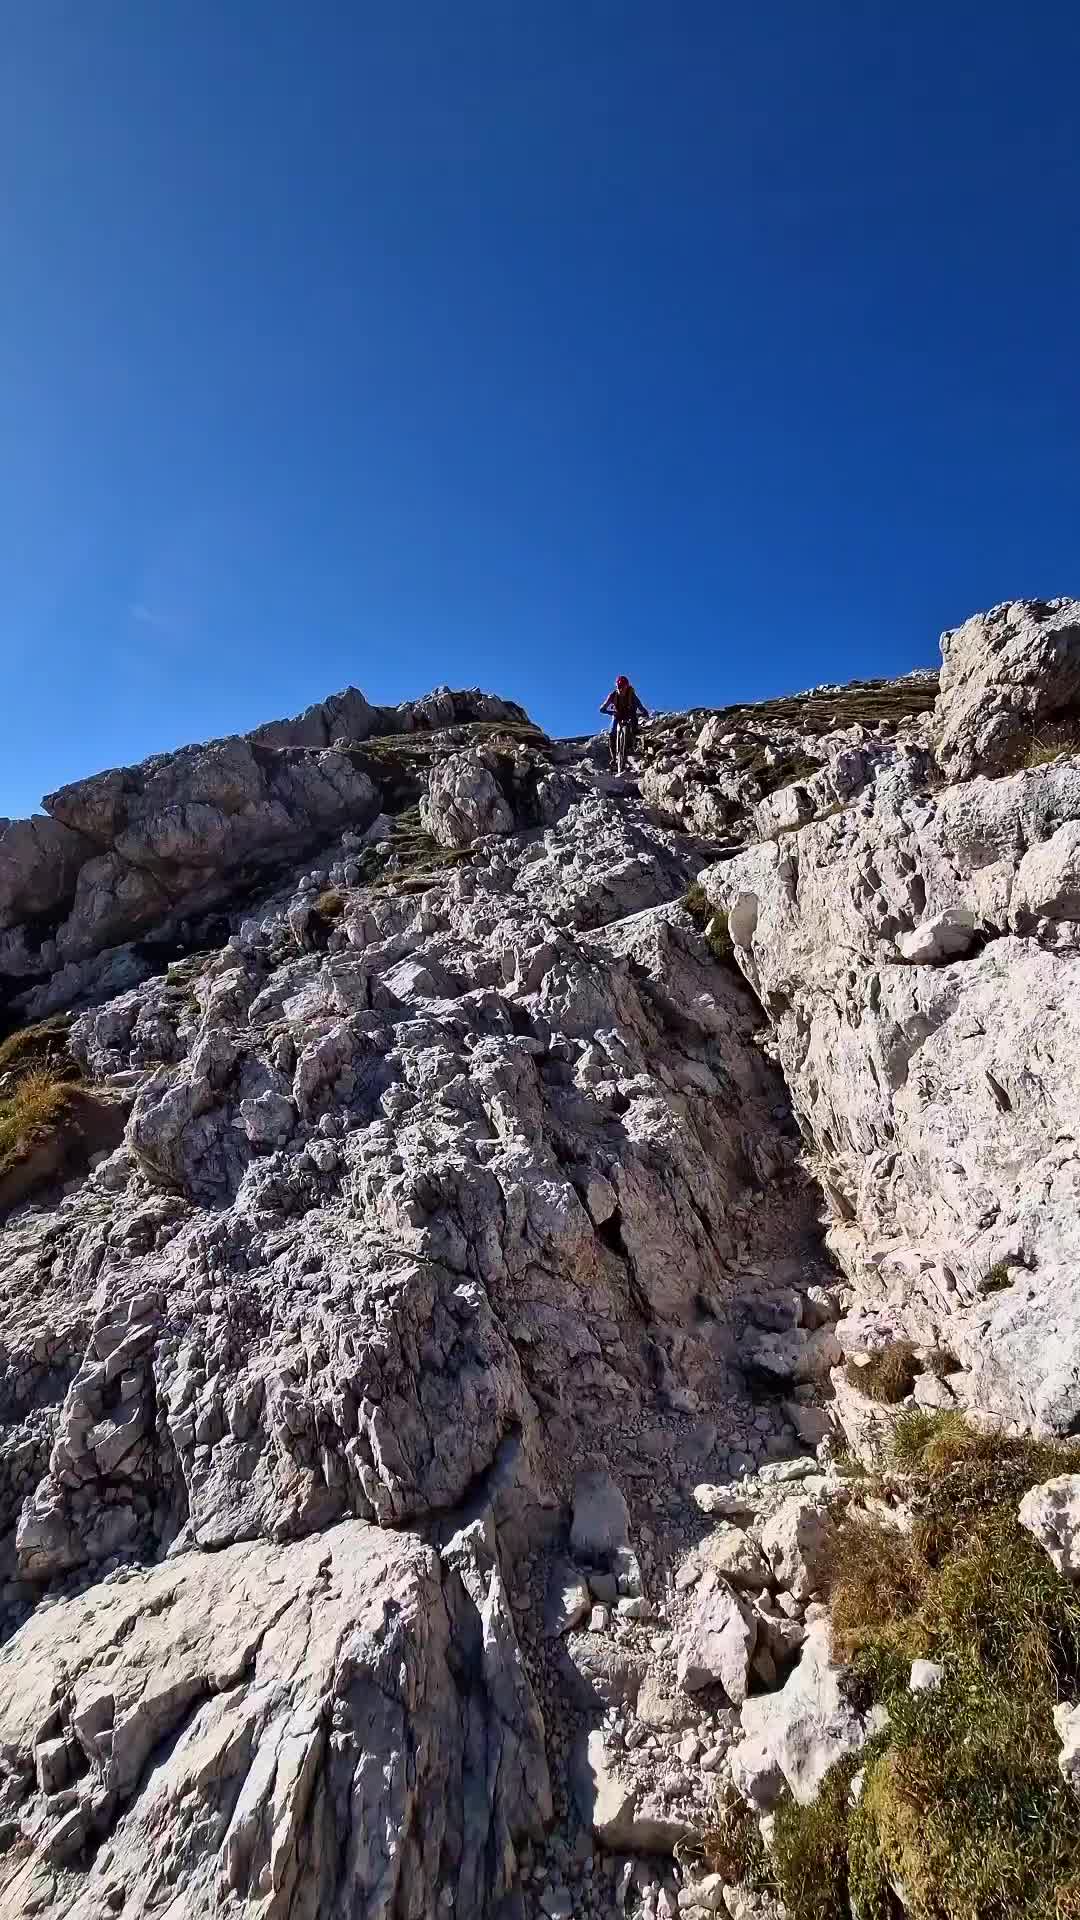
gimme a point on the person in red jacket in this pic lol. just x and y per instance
(625, 709)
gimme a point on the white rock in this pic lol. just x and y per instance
(926, 1676)
(731, 1554)
(568, 1599)
(1005, 673)
(716, 1644)
(1067, 1722)
(624, 1811)
(1051, 1512)
(796, 1541)
(947, 936)
(797, 1734)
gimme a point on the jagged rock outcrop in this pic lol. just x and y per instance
(1006, 675)
(408, 1491)
(150, 846)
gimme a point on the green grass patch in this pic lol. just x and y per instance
(710, 921)
(963, 1813)
(996, 1278)
(697, 904)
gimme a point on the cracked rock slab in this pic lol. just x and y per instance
(282, 1729)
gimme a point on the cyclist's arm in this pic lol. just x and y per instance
(608, 706)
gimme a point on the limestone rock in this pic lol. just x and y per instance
(1004, 675)
(732, 1555)
(620, 1802)
(796, 1541)
(39, 866)
(926, 1676)
(948, 936)
(1067, 1723)
(464, 800)
(253, 1686)
(795, 1736)
(568, 1601)
(716, 1643)
(1052, 1513)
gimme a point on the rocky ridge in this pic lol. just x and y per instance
(419, 1435)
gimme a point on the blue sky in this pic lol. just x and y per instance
(734, 347)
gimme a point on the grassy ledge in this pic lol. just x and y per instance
(962, 1813)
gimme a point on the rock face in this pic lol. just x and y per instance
(145, 847)
(346, 1723)
(938, 1101)
(406, 1496)
(1006, 674)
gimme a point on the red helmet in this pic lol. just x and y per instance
(622, 682)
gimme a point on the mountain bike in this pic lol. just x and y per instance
(622, 746)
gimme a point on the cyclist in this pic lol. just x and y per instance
(625, 709)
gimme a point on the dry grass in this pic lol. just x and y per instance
(963, 1805)
(888, 1376)
(35, 1106)
(330, 905)
(42, 1045)
(733, 1847)
(1061, 736)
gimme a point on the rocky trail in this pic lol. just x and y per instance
(457, 1211)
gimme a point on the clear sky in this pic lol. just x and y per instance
(519, 342)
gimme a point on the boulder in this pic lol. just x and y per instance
(622, 1802)
(732, 1555)
(568, 1601)
(1052, 1513)
(1004, 675)
(464, 801)
(947, 936)
(794, 1736)
(796, 1541)
(716, 1642)
(601, 1519)
(212, 1681)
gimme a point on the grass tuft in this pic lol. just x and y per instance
(42, 1045)
(1061, 736)
(29, 1112)
(331, 904)
(963, 1814)
(697, 904)
(810, 1850)
(711, 921)
(996, 1278)
(732, 1846)
(888, 1376)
